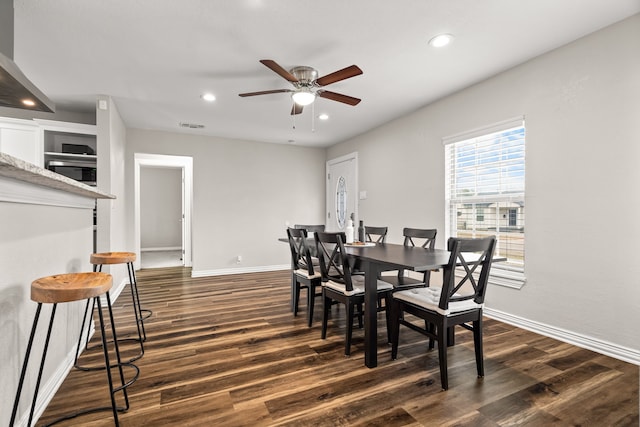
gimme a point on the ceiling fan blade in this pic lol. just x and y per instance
(279, 70)
(264, 92)
(336, 76)
(296, 109)
(345, 99)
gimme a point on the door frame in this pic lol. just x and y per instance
(330, 193)
(160, 160)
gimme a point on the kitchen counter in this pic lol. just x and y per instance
(11, 167)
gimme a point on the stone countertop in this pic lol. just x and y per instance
(11, 167)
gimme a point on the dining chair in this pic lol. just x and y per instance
(340, 286)
(310, 228)
(425, 238)
(372, 234)
(305, 271)
(375, 234)
(458, 302)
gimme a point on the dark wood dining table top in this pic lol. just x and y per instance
(395, 256)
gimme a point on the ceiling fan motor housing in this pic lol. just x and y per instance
(306, 75)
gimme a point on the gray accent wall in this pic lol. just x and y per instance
(581, 104)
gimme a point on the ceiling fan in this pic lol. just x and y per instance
(307, 85)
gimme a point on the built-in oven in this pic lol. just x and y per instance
(81, 170)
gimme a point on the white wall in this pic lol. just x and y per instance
(243, 194)
(114, 221)
(160, 208)
(38, 241)
(581, 104)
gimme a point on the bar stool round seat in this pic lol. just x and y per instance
(105, 258)
(70, 287)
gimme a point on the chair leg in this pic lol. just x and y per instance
(477, 342)
(350, 316)
(442, 355)
(326, 307)
(387, 314)
(293, 289)
(296, 299)
(432, 330)
(311, 297)
(396, 315)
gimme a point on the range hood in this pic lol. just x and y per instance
(16, 91)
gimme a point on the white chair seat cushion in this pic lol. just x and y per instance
(358, 286)
(429, 298)
(305, 273)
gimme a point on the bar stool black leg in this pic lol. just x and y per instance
(141, 335)
(41, 370)
(135, 298)
(114, 408)
(23, 372)
(86, 343)
(107, 364)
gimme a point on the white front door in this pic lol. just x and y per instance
(342, 192)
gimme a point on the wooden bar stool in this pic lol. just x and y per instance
(66, 288)
(110, 258)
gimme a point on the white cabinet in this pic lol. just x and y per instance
(70, 149)
(21, 139)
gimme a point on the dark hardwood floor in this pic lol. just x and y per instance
(226, 351)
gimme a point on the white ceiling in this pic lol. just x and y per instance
(156, 57)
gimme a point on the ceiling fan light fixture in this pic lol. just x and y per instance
(303, 97)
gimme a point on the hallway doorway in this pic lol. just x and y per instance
(183, 220)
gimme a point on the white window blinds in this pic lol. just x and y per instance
(485, 192)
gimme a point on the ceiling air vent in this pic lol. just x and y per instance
(190, 125)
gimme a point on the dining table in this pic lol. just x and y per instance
(380, 257)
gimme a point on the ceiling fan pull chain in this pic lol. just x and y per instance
(313, 117)
(294, 116)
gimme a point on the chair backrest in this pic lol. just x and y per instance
(425, 238)
(375, 234)
(300, 254)
(334, 263)
(310, 228)
(469, 264)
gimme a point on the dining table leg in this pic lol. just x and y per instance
(371, 271)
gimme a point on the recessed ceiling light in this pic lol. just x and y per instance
(209, 97)
(441, 40)
(28, 102)
(323, 116)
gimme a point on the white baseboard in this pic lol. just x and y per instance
(160, 249)
(603, 347)
(239, 270)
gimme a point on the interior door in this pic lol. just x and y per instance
(342, 192)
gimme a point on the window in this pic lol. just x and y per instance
(485, 177)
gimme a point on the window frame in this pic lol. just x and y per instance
(511, 273)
